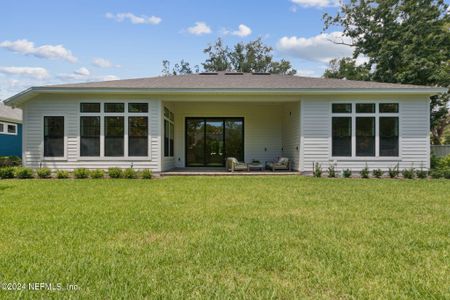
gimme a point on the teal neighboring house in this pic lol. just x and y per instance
(10, 131)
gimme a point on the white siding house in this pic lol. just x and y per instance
(255, 117)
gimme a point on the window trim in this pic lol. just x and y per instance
(102, 114)
(377, 116)
(54, 158)
(5, 128)
(170, 122)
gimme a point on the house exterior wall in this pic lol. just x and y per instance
(11, 144)
(414, 127)
(291, 133)
(69, 107)
(274, 126)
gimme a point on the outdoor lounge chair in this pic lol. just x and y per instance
(283, 163)
(234, 165)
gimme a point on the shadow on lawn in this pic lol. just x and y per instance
(5, 187)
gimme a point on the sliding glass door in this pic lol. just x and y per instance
(209, 141)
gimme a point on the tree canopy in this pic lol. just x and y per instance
(346, 68)
(253, 56)
(404, 41)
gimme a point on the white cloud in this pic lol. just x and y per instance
(45, 51)
(120, 17)
(32, 72)
(199, 29)
(241, 32)
(307, 73)
(103, 63)
(315, 3)
(109, 78)
(82, 72)
(319, 48)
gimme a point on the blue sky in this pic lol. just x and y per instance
(47, 42)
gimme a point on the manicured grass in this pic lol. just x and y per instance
(213, 237)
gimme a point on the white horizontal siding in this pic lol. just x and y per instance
(316, 134)
(291, 133)
(68, 106)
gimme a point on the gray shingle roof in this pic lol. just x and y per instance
(224, 80)
(10, 114)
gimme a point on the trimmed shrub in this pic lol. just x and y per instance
(347, 173)
(317, 170)
(96, 174)
(61, 174)
(446, 173)
(422, 174)
(434, 161)
(24, 173)
(81, 173)
(444, 162)
(147, 174)
(377, 173)
(364, 172)
(43, 173)
(6, 172)
(10, 161)
(115, 172)
(129, 174)
(393, 173)
(332, 171)
(409, 173)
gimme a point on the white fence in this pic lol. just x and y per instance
(440, 150)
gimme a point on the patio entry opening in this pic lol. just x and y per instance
(209, 141)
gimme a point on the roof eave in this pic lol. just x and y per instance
(24, 96)
(10, 120)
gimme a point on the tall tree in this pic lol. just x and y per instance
(253, 56)
(346, 68)
(181, 68)
(405, 41)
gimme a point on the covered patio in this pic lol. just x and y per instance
(206, 130)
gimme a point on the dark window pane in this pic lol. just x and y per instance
(365, 108)
(137, 136)
(166, 112)
(342, 107)
(365, 136)
(90, 107)
(138, 107)
(388, 136)
(234, 138)
(166, 138)
(12, 129)
(171, 138)
(388, 107)
(54, 136)
(195, 142)
(2, 128)
(89, 136)
(114, 136)
(342, 136)
(114, 107)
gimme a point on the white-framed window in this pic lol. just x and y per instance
(8, 128)
(54, 137)
(168, 133)
(365, 129)
(114, 130)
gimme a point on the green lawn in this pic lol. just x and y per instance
(214, 237)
